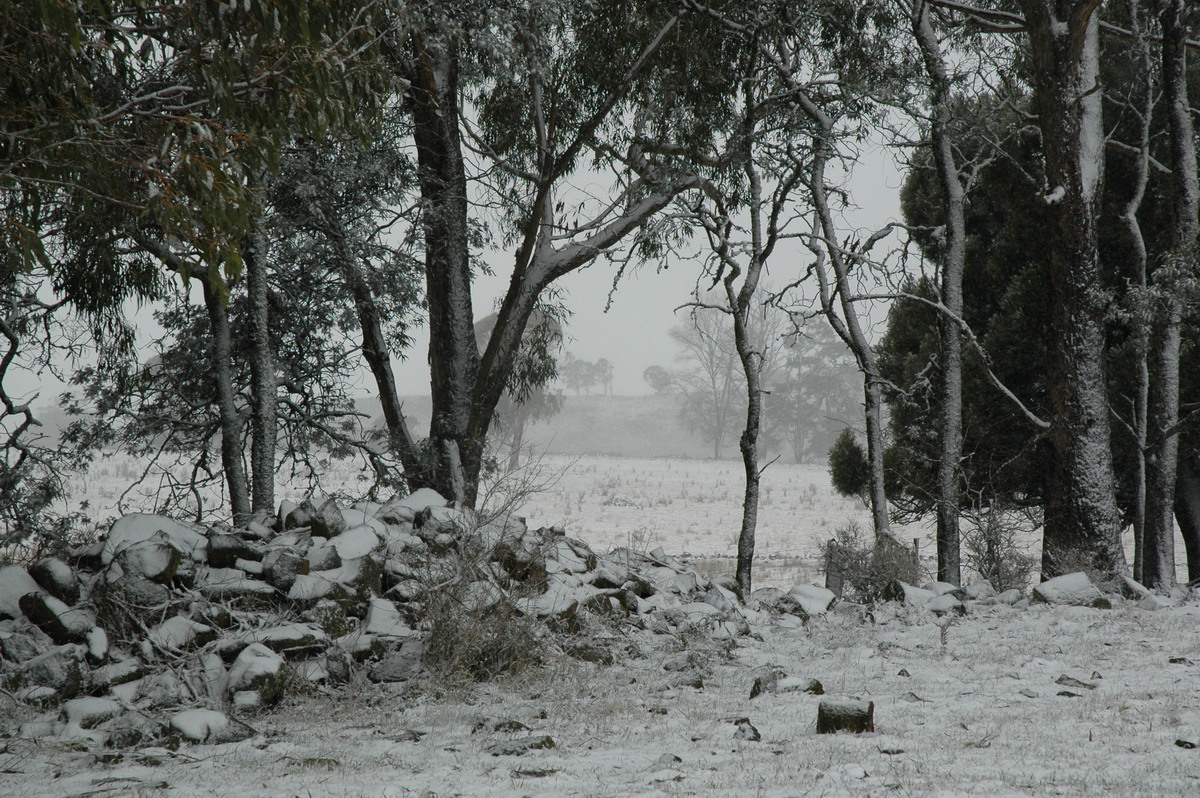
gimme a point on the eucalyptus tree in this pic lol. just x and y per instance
(558, 89)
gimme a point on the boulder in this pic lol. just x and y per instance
(207, 726)
(56, 578)
(980, 590)
(15, 582)
(62, 623)
(139, 527)
(114, 674)
(257, 669)
(811, 599)
(58, 670)
(1075, 589)
(155, 558)
(88, 713)
(296, 640)
(182, 634)
(385, 620)
(322, 557)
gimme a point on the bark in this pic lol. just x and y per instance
(1187, 511)
(954, 195)
(1137, 242)
(231, 420)
(1081, 520)
(263, 423)
(453, 354)
(1163, 441)
(377, 355)
(843, 317)
(741, 302)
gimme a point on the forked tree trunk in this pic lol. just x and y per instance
(1082, 527)
(453, 353)
(220, 360)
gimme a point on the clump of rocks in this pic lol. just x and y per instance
(166, 631)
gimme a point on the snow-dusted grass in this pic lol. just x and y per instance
(980, 716)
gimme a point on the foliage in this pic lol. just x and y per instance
(869, 568)
(848, 467)
(992, 547)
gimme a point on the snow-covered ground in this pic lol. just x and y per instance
(975, 709)
(976, 706)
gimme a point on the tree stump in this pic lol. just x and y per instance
(845, 715)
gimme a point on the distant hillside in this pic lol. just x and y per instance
(622, 426)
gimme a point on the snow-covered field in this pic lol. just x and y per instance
(971, 707)
(975, 710)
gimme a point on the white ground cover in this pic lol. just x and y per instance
(979, 715)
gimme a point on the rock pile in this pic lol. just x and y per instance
(165, 630)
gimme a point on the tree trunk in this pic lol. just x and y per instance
(1187, 511)
(1129, 216)
(949, 464)
(453, 353)
(1180, 262)
(1081, 520)
(262, 374)
(231, 420)
(377, 355)
(837, 296)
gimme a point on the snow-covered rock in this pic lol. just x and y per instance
(813, 600)
(138, 527)
(56, 578)
(15, 582)
(355, 542)
(62, 623)
(1075, 588)
(88, 713)
(206, 726)
(260, 669)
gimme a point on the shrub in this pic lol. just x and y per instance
(992, 548)
(848, 467)
(864, 570)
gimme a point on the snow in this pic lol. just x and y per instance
(15, 582)
(981, 716)
(355, 542)
(1056, 195)
(138, 527)
(200, 724)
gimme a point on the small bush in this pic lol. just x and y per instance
(848, 467)
(992, 548)
(863, 570)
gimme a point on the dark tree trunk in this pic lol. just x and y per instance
(1163, 458)
(453, 353)
(948, 476)
(377, 355)
(231, 421)
(1187, 511)
(1082, 527)
(262, 375)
